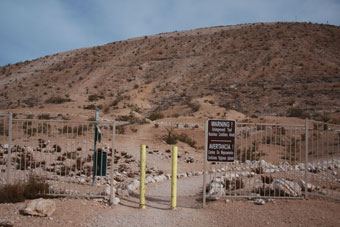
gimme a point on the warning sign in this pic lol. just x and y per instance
(220, 140)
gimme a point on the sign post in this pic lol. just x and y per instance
(97, 137)
(220, 144)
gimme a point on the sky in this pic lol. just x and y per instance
(30, 29)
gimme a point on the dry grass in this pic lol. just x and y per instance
(35, 187)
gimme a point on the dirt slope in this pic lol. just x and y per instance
(256, 69)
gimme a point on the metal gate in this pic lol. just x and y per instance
(272, 159)
(59, 151)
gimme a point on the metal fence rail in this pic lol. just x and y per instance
(271, 161)
(323, 153)
(62, 152)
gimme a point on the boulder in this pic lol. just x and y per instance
(149, 179)
(6, 223)
(259, 202)
(215, 190)
(310, 187)
(40, 207)
(133, 186)
(115, 201)
(123, 192)
(107, 191)
(285, 187)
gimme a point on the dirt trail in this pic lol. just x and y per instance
(237, 213)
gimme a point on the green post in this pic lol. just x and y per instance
(96, 136)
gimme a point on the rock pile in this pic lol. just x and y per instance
(267, 178)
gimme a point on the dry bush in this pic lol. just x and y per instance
(36, 187)
(57, 100)
(172, 138)
(155, 116)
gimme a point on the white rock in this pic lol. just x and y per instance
(115, 201)
(158, 178)
(263, 163)
(107, 191)
(149, 179)
(288, 188)
(216, 190)
(122, 192)
(40, 207)
(180, 175)
(82, 180)
(29, 149)
(259, 202)
(310, 187)
(132, 186)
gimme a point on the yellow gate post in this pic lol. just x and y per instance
(174, 178)
(142, 176)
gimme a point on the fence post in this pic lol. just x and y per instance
(306, 158)
(9, 148)
(142, 176)
(174, 178)
(112, 194)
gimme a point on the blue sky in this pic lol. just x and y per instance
(31, 29)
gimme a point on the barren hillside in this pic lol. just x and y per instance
(257, 69)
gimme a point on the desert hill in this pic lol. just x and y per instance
(278, 69)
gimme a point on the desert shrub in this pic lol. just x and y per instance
(89, 107)
(12, 193)
(226, 106)
(194, 106)
(186, 139)
(44, 117)
(95, 97)
(106, 109)
(296, 112)
(171, 137)
(31, 102)
(57, 100)
(131, 118)
(155, 116)
(120, 129)
(34, 188)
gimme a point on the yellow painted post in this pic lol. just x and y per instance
(142, 176)
(174, 178)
